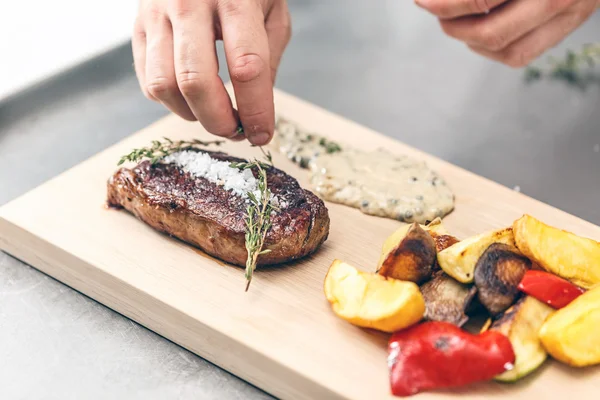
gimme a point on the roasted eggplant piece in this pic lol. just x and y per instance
(571, 334)
(521, 323)
(497, 275)
(562, 253)
(446, 299)
(459, 260)
(412, 259)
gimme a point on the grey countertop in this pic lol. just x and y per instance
(388, 67)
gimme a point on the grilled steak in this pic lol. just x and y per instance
(204, 214)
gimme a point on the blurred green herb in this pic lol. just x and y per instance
(330, 147)
(571, 68)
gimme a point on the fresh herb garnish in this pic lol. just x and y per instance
(330, 147)
(159, 149)
(570, 68)
(258, 214)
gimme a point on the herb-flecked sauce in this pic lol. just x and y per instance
(376, 182)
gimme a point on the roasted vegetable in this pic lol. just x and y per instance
(372, 301)
(446, 299)
(521, 323)
(497, 275)
(550, 289)
(459, 260)
(442, 242)
(440, 235)
(435, 355)
(436, 229)
(412, 259)
(563, 253)
(571, 334)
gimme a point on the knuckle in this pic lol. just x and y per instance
(160, 87)
(154, 13)
(138, 27)
(491, 39)
(517, 58)
(256, 115)
(191, 83)
(181, 9)
(247, 67)
(229, 8)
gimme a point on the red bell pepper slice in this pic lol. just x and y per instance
(549, 288)
(434, 355)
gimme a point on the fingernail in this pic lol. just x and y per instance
(259, 139)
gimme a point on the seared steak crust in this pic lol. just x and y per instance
(205, 215)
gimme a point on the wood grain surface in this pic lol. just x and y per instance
(281, 336)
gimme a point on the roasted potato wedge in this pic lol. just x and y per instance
(521, 323)
(571, 335)
(435, 227)
(442, 242)
(440, 235)
(372, 301)
(446, 299)
(412, 259)
(459, 260)
(497, 275)
(563, 253)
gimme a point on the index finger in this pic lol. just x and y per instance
(247, 53)
(458, 8)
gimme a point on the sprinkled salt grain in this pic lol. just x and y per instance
(219, 172)
(517, 188)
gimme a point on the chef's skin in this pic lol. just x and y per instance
(176, 61)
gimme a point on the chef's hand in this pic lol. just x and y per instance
(176, 61)
(513, 32)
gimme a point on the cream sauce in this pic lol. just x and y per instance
(300, 146)
(376, 182)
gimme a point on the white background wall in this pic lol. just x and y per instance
(39, 38)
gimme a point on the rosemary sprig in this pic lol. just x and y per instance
(258, 214)
(161, 149)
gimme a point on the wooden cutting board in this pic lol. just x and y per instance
(281, 335)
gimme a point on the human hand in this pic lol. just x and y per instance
(176, 61)
(512, 32)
